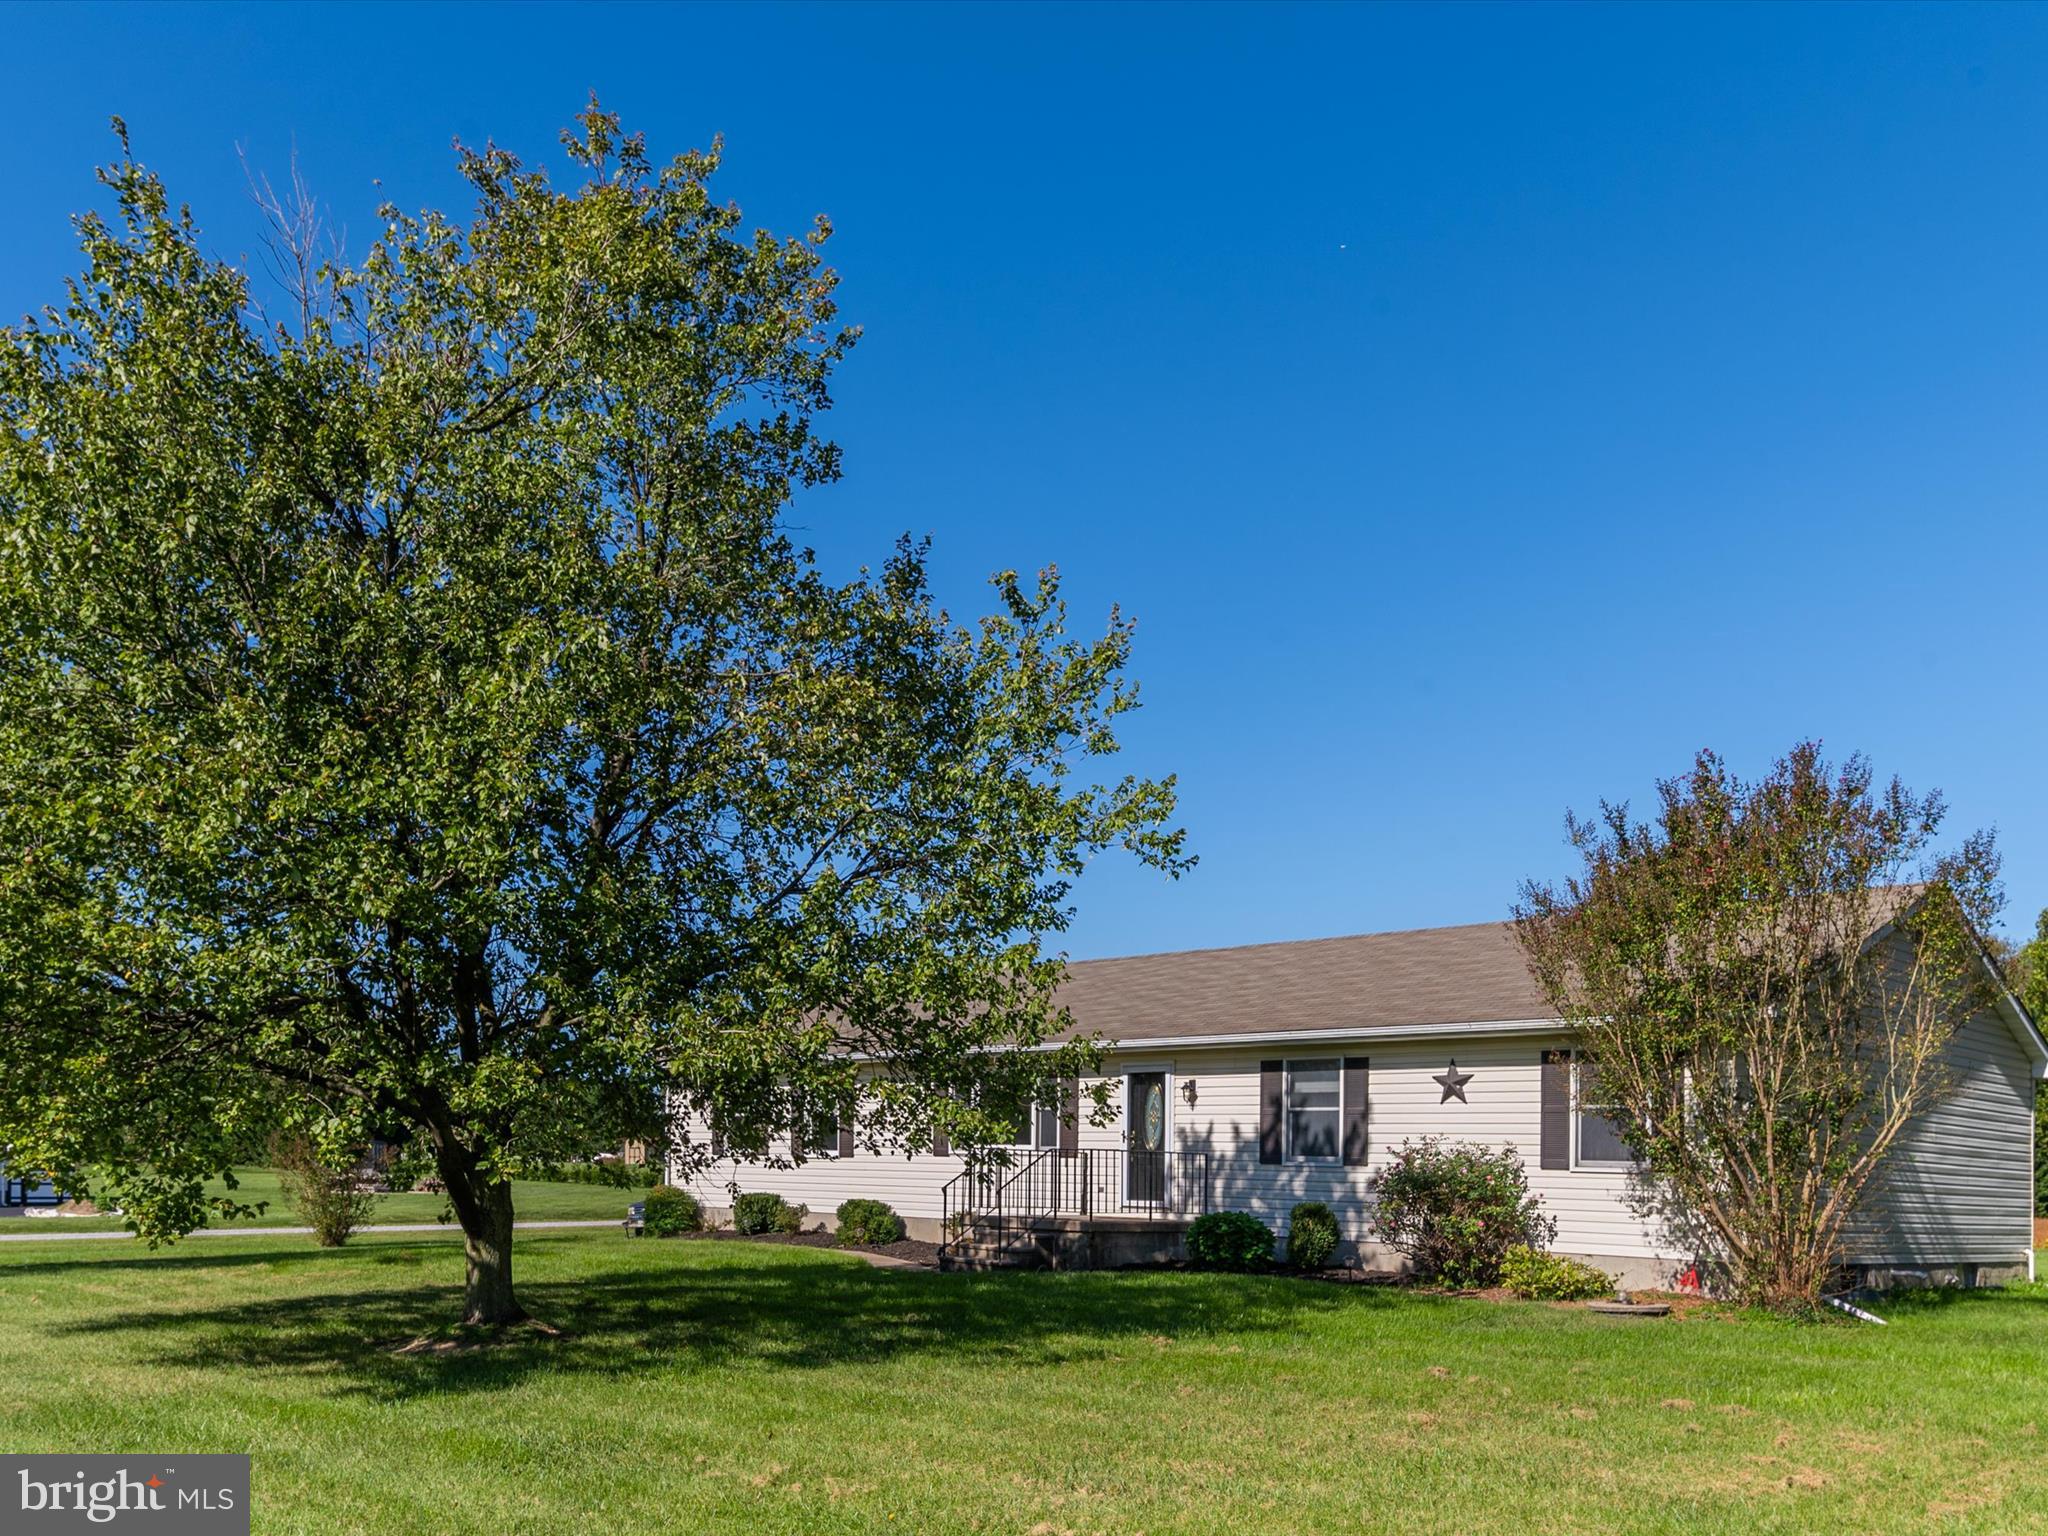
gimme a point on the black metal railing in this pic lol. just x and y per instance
(997, 1205)
(1130, 1181)
(992, 1204)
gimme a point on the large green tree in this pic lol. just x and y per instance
(2028, 974)
(1764, 979)
(415, 717)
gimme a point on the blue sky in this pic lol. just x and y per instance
(1481, 410)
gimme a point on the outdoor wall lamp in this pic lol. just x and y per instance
(1187, 1090)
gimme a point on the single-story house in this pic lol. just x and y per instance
(1252, 1078)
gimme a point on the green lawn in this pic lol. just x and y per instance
(735, 1387)
(531, 1200)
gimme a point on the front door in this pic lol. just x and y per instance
(1145, 1133)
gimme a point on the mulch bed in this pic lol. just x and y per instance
(907, 1249)
(1351, 1276)
(1682, 1303)
(926, 1256)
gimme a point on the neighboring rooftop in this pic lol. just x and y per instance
(1373, 981)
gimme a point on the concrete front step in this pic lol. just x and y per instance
(966, 1262)
(1067, 1242)
(987, 1253)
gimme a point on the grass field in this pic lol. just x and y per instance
(531, 1201)
(735, 1387)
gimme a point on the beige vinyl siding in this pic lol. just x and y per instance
(1958, 1190)
(1958, 1186)
(1403, 1101)
(910, 1184)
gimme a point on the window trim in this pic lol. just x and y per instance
(1287, 1110)
(1029, 1142)
(829, 1148)
(1592, 1165)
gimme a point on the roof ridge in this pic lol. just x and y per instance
(1377, 933)
(1329, 938)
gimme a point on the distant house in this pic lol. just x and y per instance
(1252, 1078)
(20, 1193)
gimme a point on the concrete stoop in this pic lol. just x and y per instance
(1070, 1242)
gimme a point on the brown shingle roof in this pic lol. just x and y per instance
(1373, 981)
(1369, 982)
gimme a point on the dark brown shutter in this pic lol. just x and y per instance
(846, 1132)
(1070, 1116)
(942, 1144)
(1272, 1134)
(1556, 1151)
(1355, 1140)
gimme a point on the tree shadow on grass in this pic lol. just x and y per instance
(722, 1306)
(159, 1261)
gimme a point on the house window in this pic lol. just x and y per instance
(821, 1133)
(1599, 1138)
(1033, 1125)
(1315, 1110)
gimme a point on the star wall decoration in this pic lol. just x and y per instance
(1454, 1083)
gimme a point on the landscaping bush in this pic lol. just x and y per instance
(1538, 1276)
(612, 1173)
(331, 1194)
(1312, 1235)
(669, 1211)
(868, 1223)
(757, 1213)
(1456, 1209)
(1230, 1240)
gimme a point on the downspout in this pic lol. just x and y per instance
(1854, 1311)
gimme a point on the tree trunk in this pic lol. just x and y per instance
(483, 1205)
(487, 1286)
